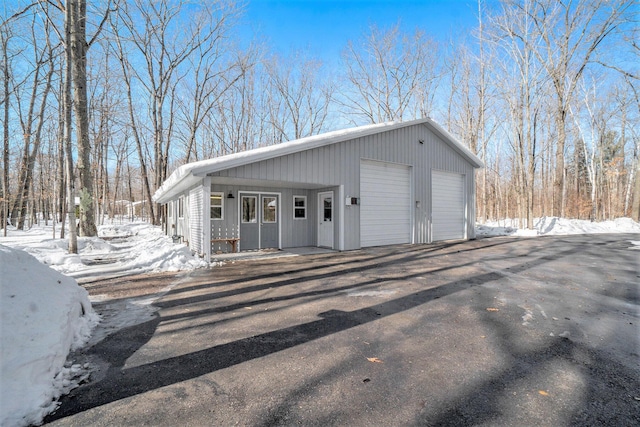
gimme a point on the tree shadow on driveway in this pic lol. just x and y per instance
(120, 382)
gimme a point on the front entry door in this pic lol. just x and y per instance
(268, 221)
(258, 221)
(325, 219)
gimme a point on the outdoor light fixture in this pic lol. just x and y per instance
(230, 196)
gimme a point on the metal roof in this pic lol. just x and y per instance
(190, 174)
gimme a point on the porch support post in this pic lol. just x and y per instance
(340, 203)
(206, 215)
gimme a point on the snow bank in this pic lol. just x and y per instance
(546, 226)
(154, 251)
(130, 248)
(44, 315)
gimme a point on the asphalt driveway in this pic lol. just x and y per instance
(496, 331)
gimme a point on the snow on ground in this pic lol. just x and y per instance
(45, 314)
(546, 226)
(119, 249)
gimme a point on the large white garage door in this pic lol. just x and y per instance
(385, 211)
(447, 201)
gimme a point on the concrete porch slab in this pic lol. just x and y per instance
(270, 253)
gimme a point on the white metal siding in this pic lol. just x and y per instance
(385, 194)
(329, 167)
(196, 208)
(449, 219)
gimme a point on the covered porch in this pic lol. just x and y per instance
(261, 216)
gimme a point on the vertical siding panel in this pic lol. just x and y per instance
(282, 169)
(275, 171)
(339, 163)
(263, 170)
(288, 165)
(296, 165)
(321, 174)
(319, 165)
(393, 147)
(306, 169)
(309, 165)
(334, 162)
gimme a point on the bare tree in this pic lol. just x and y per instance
(635, 203)
(631, 74)
(239, 119)
(32, 118)
(485, 131)
(5, 37)
(79, 46)
(68, 129)
(516, 33)
(216, 67)
(300, 98)
(568, 34)
(164, 37)
(133, 119)
(472, 93)
(390, 76)
(76, 45)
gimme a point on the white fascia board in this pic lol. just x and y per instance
(173, 187)
(187, 175)
(456, 145)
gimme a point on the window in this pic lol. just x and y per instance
(269, 209)
(327, 209)
(181, 207)
(299, 207)
(249, 209)
(217, 205)
(170, 209)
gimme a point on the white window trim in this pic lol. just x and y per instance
(298, 207)
(181, 207)
(215, 193)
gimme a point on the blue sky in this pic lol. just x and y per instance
(325, 26)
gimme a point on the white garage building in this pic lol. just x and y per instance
(392, 183)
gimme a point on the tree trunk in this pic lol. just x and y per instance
(70, 179)
(78, 46)
(635, 205)
(5, 133)
(60, 165)
(558, 179)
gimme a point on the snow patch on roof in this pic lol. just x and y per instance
(270, 151)
(203, 167)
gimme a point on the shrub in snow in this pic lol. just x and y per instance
(44, 315)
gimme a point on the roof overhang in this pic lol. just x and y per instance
(459, 147)
(190, 174)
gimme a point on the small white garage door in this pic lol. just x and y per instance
(447, 201)
(385, 197)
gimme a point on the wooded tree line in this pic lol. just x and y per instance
(545, 92)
